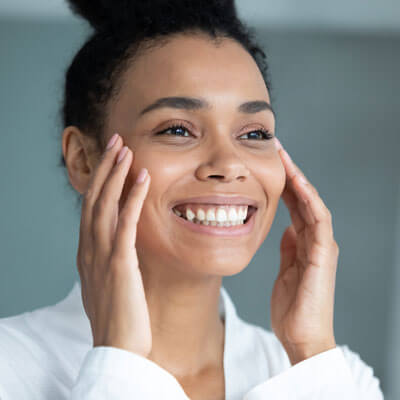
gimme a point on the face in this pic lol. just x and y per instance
(218, 151)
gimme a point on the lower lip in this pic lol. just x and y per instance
(236, 230)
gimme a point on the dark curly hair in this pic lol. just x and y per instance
(123, 29)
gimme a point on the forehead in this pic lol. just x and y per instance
(194, 65)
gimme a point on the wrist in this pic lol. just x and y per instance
(300, 353)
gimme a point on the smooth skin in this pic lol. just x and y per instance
(152, 286)
(107, 261)
(303, 296)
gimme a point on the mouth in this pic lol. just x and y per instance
(188, 213)
(216, 219)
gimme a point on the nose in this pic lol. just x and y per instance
(223, 164)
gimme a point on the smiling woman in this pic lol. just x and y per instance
(169, 140)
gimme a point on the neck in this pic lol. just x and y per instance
(187, 331)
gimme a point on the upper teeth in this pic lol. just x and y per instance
(218, 214)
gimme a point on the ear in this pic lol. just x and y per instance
(81, 157)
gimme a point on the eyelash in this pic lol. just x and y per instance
(267, 134)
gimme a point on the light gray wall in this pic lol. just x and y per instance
(393, 355)
(337, 99)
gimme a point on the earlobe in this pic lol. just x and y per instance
(79, 162)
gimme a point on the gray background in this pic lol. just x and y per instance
(336, 94)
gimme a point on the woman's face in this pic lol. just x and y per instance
(219, 151)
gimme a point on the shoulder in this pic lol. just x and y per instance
(33, 359)
(17, 362)
(26, 332)
(15, 336)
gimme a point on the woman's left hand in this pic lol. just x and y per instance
(303, 296)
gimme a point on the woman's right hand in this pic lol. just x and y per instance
(111, 283)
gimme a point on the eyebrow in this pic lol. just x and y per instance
(192, 103)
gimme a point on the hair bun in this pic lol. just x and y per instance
(97, 13)
(103, 14)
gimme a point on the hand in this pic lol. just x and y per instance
(302, 301)
(111, 282)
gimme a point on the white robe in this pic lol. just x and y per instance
(47, 354)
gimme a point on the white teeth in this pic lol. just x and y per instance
(189, 214)
(201, 215)
(218, 216)
(221, 215)
(178, 213)
(232, 215)
(210, 215)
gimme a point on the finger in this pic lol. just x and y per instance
(287, 249)
(313, 208)
(94, 187)
(297, 207)
(300, 220)
(125, 237)
(291, 168)
(303, 201)
(291, 201)
(321, 216)
(106, 209)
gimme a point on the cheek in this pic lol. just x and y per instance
(162, 166)
(165, 174)
(272, 177)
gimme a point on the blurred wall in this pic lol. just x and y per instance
(393, 353)
(337, 100)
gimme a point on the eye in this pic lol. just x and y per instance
(267, 135)
(179, 129)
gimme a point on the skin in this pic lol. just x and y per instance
(181, 271)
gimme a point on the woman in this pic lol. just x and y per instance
(184, 194)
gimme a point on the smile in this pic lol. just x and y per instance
(216, 219)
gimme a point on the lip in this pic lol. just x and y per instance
(217, 199)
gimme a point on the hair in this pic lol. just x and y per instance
(122, 31)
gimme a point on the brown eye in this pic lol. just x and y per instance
(263, 134)
(180, 130)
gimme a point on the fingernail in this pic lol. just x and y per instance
(112, 141)
(278, 144)
(142, 175)
(122, 153)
